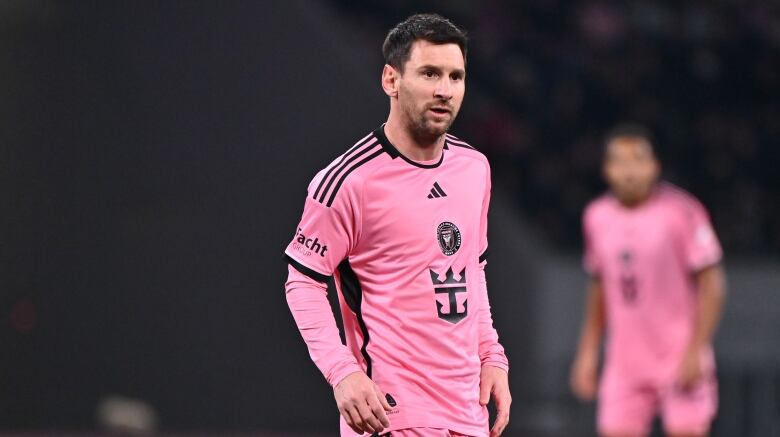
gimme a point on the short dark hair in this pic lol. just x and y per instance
(630, 130)
(429, 27)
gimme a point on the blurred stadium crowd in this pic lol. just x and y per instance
(548, 77)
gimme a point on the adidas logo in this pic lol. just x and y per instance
(436, 191)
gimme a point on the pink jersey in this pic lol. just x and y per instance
(646, 258)
(405, 242)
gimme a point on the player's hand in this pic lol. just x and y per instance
(584, 377)
(690, 369)
(495, 381)
(362, 403)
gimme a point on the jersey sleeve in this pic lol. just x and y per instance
(308, 302)
(700, 244)
(491, 352)
(590, 259)
(326, 234)
(483, 222)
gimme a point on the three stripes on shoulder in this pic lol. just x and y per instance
(365, 150)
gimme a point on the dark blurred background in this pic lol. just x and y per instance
(154, 158)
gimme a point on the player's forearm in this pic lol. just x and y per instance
(712, 294)
(491, 352)
(593, 324)
(309, 305)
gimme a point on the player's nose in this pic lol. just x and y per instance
(443, 89)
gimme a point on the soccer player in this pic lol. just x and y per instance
(399, 222)
(657, 289)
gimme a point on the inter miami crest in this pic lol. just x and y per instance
(449, 238)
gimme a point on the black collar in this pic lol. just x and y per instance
(391, 150)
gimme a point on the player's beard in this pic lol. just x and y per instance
(633, 193)
(420, 125)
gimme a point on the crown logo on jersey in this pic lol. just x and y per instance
(451, 287)
(450, 277)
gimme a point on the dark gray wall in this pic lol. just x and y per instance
(154, 161)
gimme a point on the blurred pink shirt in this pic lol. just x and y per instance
(405, 243)
(646, 258)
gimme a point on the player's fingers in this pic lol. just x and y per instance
(502, 420)
(351, 416)
(382, 398)
(589, 387)
(503, 400)
(583, 385)
(485, 387)
(367, 420)
(379, 411)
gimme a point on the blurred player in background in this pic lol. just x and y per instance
(400, 222)
(656, 291)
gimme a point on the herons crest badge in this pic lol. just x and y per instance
(449, 238)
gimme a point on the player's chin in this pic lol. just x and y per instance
(438, 128)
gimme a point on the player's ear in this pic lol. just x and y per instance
(390, 80)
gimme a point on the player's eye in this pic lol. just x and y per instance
(429, 73)
(456, 76)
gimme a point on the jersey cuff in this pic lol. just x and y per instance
(317, 276)
(499, 364)
(706, 263)
(343, 372)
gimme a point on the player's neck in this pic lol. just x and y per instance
(637, 202)
(416, 149)
(633, 203)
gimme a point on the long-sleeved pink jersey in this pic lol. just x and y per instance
(405, 243)
(646, 258)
